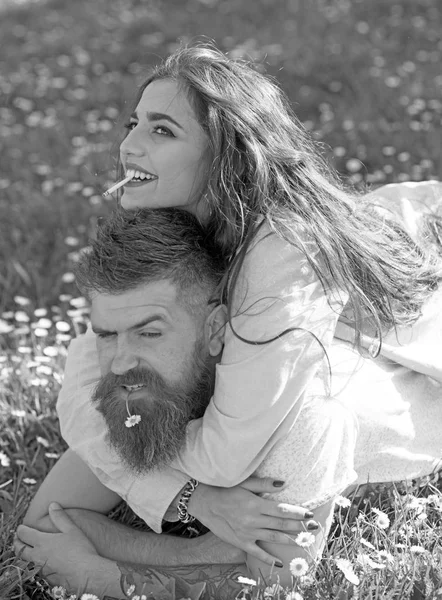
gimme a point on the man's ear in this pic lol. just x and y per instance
(215, 329)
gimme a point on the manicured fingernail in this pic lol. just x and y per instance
(278, 483)
(278, 564)
(308, 514)
(311, 525)
(54, 506)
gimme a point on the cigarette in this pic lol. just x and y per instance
(117, 186)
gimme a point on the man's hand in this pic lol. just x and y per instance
(67, 558)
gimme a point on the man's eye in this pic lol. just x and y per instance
(150, 334)
(162, 130)
(104, 336)
(131, 125)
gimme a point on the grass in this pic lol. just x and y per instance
(364, 77)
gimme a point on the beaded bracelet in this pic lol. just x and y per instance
(182, 508)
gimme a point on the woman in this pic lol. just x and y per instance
(216, 138)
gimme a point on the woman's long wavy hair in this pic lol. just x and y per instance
(265, 164)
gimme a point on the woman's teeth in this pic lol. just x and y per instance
(139, 175)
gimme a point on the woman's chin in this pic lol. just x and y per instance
(131, 201)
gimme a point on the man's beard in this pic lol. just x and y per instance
(165, 410)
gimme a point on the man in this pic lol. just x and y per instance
(151, 277)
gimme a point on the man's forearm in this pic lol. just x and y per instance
(118, 542)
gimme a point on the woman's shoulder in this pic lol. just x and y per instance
(278, 272)
(270, 251)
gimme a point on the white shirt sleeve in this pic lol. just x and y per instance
(317, 458)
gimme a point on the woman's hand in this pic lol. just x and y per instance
(240, 517)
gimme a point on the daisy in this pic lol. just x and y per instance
(132, 420)
(342, 502)
(58, 591)
(346, 568)
(294, 596)
(417, 550)
(89, 597)
(366, 543)
(130, 590)
(382, 521)
(4, 460)
(305, 539)
(246, 580)
(385, 556)
(298, 567)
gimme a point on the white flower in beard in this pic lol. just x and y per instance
(132, 420)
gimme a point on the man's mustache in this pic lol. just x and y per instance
(136, 376)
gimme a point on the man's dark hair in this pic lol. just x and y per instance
(133, 248)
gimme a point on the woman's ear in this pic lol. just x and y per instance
(215, 329)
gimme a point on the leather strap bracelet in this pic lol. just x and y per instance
(182, 508)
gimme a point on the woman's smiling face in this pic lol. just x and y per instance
(167, 145)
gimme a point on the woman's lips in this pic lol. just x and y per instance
(133, 183)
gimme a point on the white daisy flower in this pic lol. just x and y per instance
(298, 567)
(385, 556)
(305, 539)
(130, 590)
(342, 502)
(294, 596)
(382, 521)
(346, 569)
(132, 420)
(89, 597)
(246, 580)
(417, 550)
(4, 460)
(58, 591)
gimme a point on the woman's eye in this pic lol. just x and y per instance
(161, 130)
(131, 125)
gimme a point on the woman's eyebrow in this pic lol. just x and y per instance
(157, 116)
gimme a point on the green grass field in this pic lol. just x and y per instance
(364, 77)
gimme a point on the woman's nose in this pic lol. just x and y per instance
(133, 144)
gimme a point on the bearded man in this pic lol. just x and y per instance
(151, 277)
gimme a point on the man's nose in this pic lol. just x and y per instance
(124, 360)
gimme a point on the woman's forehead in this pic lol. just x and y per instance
(167, 96)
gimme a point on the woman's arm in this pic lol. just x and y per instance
(260, 388)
